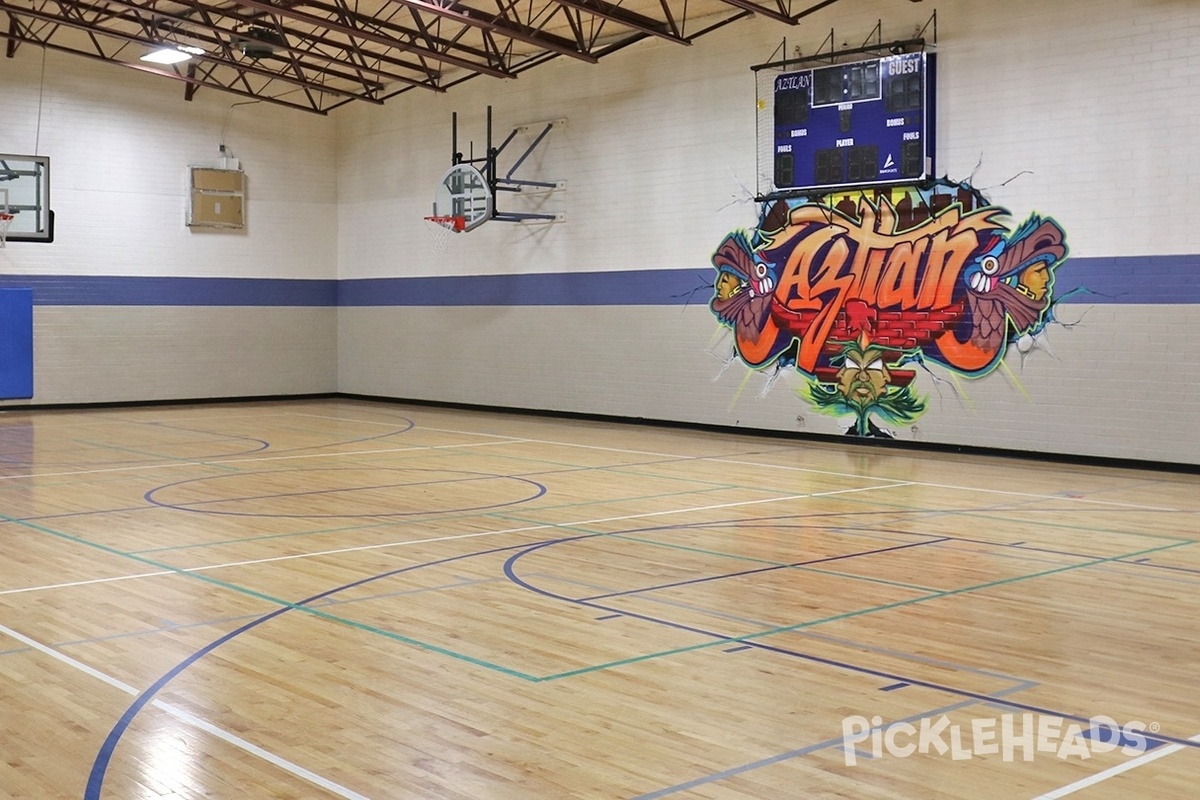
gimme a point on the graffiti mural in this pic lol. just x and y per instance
(854, 290)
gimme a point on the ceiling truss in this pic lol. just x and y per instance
(319, 55)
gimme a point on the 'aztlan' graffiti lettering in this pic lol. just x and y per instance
(914, 274)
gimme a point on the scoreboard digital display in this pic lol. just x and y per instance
(864, 123)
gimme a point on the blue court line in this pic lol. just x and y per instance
(986, 512)
(265, 537)
(112, 637)
(96, 776)
(111, 741)
(808, 634)
(448, 514)
(752, 559)
(190, 507)
(760, 570)
(721, 639)
(115, 448)
(1141, 562)
(809, 749)
(718, 639)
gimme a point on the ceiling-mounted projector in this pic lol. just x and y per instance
(259, 41)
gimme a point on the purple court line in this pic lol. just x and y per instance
(220, 436)
(1144, 562)
(811, 634)
(327, 603)
(408, 426)
(1106, 569)
(807, 750)
(99, 770)
(541, 490)
(510, 571)
(761, 570)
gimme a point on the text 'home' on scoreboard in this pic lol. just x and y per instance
(864, 123)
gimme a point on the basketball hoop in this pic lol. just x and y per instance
(441, 227)
(5, 220)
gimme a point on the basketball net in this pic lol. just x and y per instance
(6, 218)
(441, 229)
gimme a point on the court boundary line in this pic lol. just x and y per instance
(683, 458)
(188, 718)
(168, 570)
(751, 638)
(216, 462)
(1115, 770)
(525, 440)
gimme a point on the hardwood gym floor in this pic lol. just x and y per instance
(342, 598)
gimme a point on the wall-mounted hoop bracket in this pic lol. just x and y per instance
(486, 166)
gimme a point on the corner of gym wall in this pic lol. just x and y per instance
(1078, 113)
(130, 304)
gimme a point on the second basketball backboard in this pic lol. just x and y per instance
(27, 181)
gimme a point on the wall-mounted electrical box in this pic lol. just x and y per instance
(218, 198)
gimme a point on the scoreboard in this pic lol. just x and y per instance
(864, 123)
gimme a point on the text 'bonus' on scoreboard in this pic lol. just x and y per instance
(864, 123)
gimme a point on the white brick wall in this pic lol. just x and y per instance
(1094, 99)
(1091, 104)
(120, 144)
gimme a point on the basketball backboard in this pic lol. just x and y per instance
(464, 193)
(467, 195)
(27, 181)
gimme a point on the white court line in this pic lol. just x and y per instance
(88, 582)
(950, 486)
(207, 461)
(516, 440)
(454, 537)
(833, 473)
(189, 718)
(1068, 498)
(1092, 780)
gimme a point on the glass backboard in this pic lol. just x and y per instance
(464, 192)
(26, 180)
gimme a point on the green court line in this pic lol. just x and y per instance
(975, 513)
(594, 668)
(269, 536)
(857, 613)
(158, 456)
(751, 559)
(593, 503)
(433, 516)
(316, 612)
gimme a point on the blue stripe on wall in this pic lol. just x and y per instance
(646, 287)
(1124, 280)
(1129, 280)
(102, 290)
(1107, 280)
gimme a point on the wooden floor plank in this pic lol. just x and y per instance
(343, 598)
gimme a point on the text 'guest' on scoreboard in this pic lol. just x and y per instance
(864, 123)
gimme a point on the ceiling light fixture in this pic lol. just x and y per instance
(172, 54)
